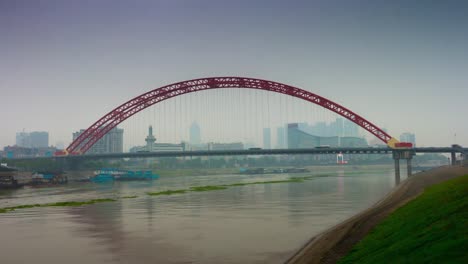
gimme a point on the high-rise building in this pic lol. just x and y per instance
(340, 127)
(35, 139)
(337, 128)
(408, 137)
(39, 139)
(112, 142)
(280, 138)
(195, 135)
(297, 138)
(350, 129)
(267, 138)
(23, 139)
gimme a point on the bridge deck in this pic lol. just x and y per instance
(320, 151)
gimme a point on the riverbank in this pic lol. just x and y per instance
(331, 245)
(432, 228)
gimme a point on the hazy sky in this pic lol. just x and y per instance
(401, 64)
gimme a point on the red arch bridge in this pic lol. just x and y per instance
(102, 126)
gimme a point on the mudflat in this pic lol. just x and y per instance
(334, 243)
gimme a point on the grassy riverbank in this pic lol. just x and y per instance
(432, 228)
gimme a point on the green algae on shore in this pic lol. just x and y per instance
(168, 192)
(12, 208)
(225, 186)
(207, 188)
(57, 204)
(294, 179)
(73, 203)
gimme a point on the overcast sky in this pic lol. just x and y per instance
(401, 64)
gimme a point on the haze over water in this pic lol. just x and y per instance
(244, 224)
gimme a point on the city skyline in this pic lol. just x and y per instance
(338, 133)
(395, 63)
(339, 127)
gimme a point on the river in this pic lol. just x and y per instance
(260, 223)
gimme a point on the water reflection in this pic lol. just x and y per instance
(248, 224)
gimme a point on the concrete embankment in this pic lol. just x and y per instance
(336, 242)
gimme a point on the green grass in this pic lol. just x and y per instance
(432, 228)
(225, 186)
(79, 203)
(168, 192)
(71, 203)
(207, 188)
(129, 197)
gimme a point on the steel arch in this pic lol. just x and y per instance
(97, 130)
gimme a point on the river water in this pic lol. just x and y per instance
(261, 223)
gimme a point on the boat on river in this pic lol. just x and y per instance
(8, 178)
(112, 174)
(48, 178)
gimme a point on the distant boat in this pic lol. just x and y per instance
(48, 178)
(7, 178)
(112, 174)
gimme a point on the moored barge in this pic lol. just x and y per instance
(7, 178)
(112, 174)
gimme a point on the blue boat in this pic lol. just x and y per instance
(138, 175)
(112, 174)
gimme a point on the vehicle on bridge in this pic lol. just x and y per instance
(323, 147)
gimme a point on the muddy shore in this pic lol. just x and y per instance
(334, 243)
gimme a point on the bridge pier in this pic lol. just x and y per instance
(409, 167)
(397, 170)
(453, 158)
(402, 154)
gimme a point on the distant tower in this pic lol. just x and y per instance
(150, 139)
(195, 135)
